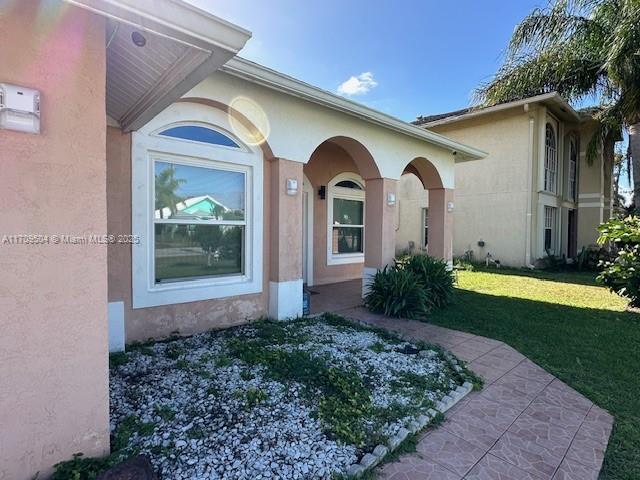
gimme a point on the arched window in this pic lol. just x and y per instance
(550, 160)
(573, 168)
(199, 133)
(345, 220)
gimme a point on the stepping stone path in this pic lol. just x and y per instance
(525, 424)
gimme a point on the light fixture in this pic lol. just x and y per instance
(322, 192)
(391, 198)
(449, 207)
(292, 186)
(138, 39)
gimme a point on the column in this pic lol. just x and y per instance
(285, 273)
(441, 224)
(379, 229)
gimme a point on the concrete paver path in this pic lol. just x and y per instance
(525, 424)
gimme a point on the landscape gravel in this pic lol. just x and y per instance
(200, 413)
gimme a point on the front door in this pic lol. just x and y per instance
(572, 237)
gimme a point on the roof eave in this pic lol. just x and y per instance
(271, 79)
(547, 98)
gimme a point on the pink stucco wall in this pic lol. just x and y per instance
(183, 318)
(53, 346)
(326, 162)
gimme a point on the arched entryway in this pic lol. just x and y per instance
(336, 181)
(424, 211)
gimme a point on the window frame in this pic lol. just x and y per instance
(550, 222)
(159, 133)
(147, 148)
(212, 165)
(344, 193)
(550, 167)
(573, 169)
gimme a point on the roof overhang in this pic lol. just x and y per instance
(182, 46)
(556, 104)
(258, 74)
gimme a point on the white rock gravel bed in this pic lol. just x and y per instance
(209, 416)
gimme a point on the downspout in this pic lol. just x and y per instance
(529, 216)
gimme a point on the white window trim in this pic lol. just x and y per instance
(348, 194)
(425, 226)
(554, 229)
(146, 148)
(573, 180)
(550, 161)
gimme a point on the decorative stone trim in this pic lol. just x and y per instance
(371, 460)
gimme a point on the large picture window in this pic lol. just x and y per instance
(197, 203)
(199, 221)
(550, 160)
(346, 220)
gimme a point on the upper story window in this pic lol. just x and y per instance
(197, 210)
(550, 159)
(346, 220)
(198, 133)
(573, 168)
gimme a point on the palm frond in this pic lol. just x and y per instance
(566, 71)
(607, 129)
(545, 28)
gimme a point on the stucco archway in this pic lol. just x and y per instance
(425, 221)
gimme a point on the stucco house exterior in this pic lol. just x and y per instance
(534, 193)
(180, 188)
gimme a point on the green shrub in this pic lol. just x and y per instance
(84, 468)
(397, 292)
(433, 274)
(436, 277)
(621, 274)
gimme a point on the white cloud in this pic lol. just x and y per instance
(358, 85)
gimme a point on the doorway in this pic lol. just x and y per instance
(572, 234)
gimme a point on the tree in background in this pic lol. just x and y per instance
(580, 49)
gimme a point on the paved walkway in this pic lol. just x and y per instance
(524, 425)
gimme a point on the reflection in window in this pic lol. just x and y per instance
(346, 223)
(348, 226)
(197, 133)
(199, 221)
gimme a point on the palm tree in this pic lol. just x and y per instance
(166, 190)
(580, 49)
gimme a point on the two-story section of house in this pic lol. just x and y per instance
(536, 194)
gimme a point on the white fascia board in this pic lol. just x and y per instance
(173, 19)
(552, 98)
(258, 74)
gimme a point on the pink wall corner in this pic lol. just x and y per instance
(286, 222)
(54, 398)
(184, 318)
(440, 223)
(326, 162)
(380, 232)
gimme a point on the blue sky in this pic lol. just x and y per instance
(425, 56)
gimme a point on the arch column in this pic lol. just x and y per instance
(379, 230)
(285, 272)
(440, 236)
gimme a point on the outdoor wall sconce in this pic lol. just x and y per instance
(449, 207)
(391, 199)
(322, 192)
(292, 186)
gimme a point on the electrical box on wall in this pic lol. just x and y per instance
(19, 108)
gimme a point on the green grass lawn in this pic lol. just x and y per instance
(574, 329)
